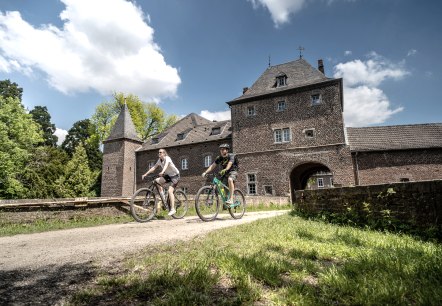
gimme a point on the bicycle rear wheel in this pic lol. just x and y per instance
(181, 204)
(238, 208)
(207, 203)
(143, 205)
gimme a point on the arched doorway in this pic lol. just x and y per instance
(310, 175)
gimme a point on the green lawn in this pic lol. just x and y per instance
(285, 260)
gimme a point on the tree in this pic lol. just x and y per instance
(78, 134)
(42, 117)
(10, 90)
(149, 119)
(42, 172)
(18, 135)
(78, 179)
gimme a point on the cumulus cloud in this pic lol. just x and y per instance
(280, 10)
(218, 116)
(100, 52)
(348, 52)
(411, 52)
(365, 102)
(61, 134)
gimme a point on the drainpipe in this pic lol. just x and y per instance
(357, 170)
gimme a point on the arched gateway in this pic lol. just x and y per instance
(310, 175)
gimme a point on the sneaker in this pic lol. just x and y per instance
(229, 202)
(172, 212)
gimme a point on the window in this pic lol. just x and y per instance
(184, 164)
(320, 182)
(251, 183)
(316, 99)
(216, 131)
(282, 135)
(281, 81)
(309, 133)
(207, 160)
(184, 189)
(150, 165)
(281, 106)
(155, 140)
(268, 190)
(251, 111)
(180, 136)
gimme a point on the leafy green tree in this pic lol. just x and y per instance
(78, 179)
(42, 117)
(10, 90)
(19, 133)
(149, 119)
(43, 171)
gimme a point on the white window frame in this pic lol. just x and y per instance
(207, 161)
(281, 81)
(320, 181)
(282, 106)
(315, 101)
(251, 111)
(184, 164)
(267, 186)
(283, 135)
(253, 184)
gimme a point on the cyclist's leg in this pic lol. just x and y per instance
(160, 182)
(231, 180)
(174, 180)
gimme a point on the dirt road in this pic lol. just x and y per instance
(43, 268)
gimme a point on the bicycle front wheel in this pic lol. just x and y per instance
(143, 205)
(238, 208)
(181, 204)
(207, 203)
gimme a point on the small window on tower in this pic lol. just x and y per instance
(316, 99)
(310, 133)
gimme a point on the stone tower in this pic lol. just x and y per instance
(119, 157)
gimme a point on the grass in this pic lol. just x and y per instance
(285, 260)
(43, 225)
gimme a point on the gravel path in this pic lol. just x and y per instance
(42, 268)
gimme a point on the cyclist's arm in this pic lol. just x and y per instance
(213, 165)
(229, 165)
(150, 170)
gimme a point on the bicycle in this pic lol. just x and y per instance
(143, 204)
(207, 202)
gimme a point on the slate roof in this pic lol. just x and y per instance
(195, 128)
(395, 137)
(124, 127)
(299, 73)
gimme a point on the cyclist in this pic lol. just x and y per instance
(229, 165)
(169, 173)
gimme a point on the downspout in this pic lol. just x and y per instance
(357, 170)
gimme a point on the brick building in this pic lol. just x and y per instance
(287, 130)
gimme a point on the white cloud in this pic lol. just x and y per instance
(218, 116)
(61, 134)
(106, 52)
(348, 52)
(412, 52)
(280, 10)
(365, 102)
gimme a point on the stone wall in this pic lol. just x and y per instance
(417, 203)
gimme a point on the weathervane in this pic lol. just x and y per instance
(300, 51)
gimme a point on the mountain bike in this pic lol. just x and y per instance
(143, 204)
(207, 200)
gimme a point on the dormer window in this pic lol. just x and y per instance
(155, 140)
(281, 80)
(180, 136)
(216, 131)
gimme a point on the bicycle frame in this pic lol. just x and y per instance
(221, 188)
(163, 197)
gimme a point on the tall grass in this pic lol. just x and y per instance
(285, 260)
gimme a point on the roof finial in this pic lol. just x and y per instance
(269, 60)
(300, 51)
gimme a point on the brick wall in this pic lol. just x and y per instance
(392, 166)
(118, 168)
(418, 203)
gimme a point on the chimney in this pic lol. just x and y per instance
(321, 66)
(244, 90)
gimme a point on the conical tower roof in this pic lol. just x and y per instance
(124, 127)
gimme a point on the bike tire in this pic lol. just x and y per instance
(207, 203)
(181, 204)
(143, 205)
(240, 205)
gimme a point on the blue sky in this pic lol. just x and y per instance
(195, 55)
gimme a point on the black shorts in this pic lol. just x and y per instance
(174, 179)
